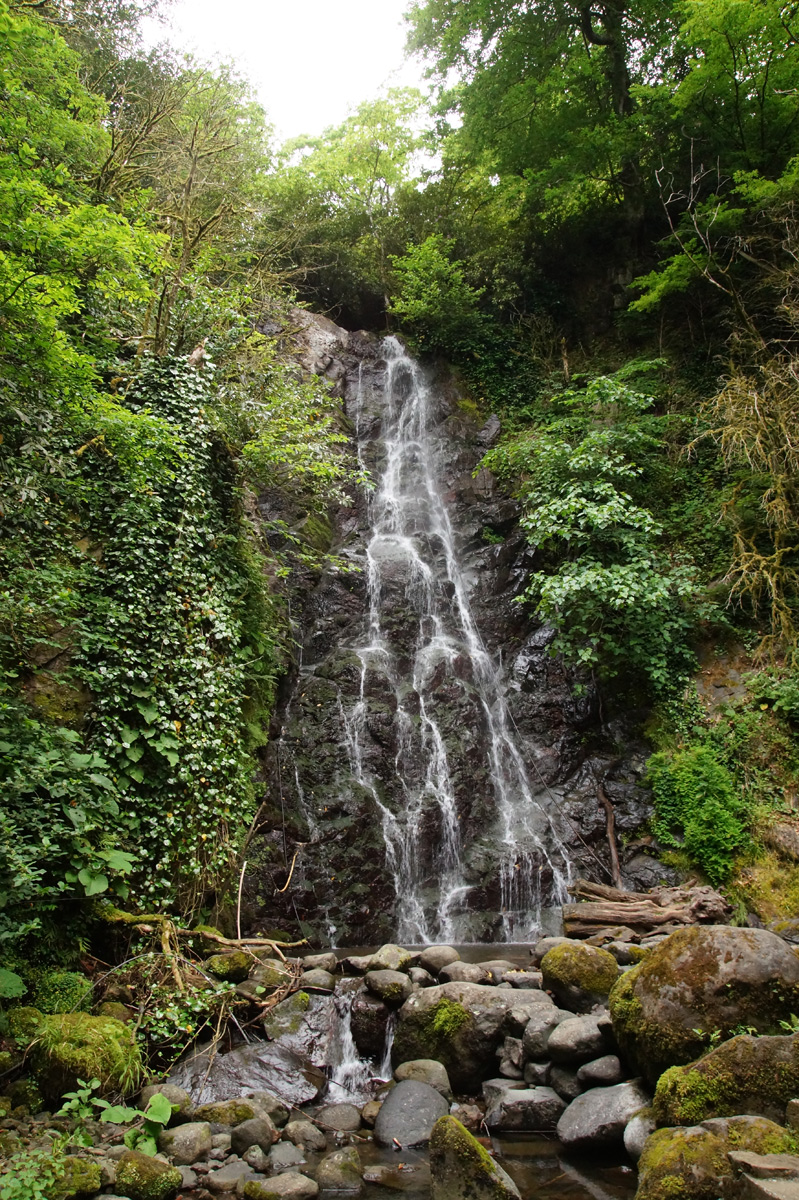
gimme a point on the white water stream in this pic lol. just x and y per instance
(412, 544)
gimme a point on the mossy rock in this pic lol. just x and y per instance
(73, 1046)
(233, 967)
(62, 992)
(461, 1169)
(700, 980)
(579, 975)
(751, 1075)
(451, 1035)
(143, 1178)
(115, 1009)
(269, 973)
(23, 1093)
(287, 1017)
(228, 1112)
(81, 1177)
(692, 1164)
(205, 945)
(24, 1024)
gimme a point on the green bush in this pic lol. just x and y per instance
(698, 808)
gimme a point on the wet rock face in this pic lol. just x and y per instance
(337, 811)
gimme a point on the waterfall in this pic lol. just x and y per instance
(421, 642)
(352, 1078)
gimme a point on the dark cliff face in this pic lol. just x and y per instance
(350, 748)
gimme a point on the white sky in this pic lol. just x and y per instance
(310, 61)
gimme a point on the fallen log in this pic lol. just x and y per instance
(643, 912)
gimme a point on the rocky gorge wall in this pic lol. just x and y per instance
(420, 656)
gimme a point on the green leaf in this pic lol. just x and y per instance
(159, 1109)
(11, 985)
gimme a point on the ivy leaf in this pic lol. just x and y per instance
(11, 986)
(134, 753)
(148, 711)
(159, 1109)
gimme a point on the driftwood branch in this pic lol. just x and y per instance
(641, 912)
(147, 922)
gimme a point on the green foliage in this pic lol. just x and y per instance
(620, 601)
(12, 986)
(698, 806)
(33, 1174)
(433, 300)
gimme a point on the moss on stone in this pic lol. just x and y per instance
(24, 1023)
(744, 1075)
(73, 1046)
(692, 1164)
(461, 1167)
(115, 1009)
(23, 1093)
(62, 992)
(206, 945)
(233, 967)
(227, 1112)
(80, 1177)
(683, 1164)
(287, 1017)
(575, 966)
(143, 1178)
(446, 1018)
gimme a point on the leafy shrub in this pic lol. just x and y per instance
(698, 808)
(436, 304)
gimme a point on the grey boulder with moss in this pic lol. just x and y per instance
(142, 1178)
(232, 966)
(341, 1172)
(692, 1163)
(755, 1076)
(579, 976)
(289, 1186)
(73, 1046)
(392, 987)
(460, 1025)
(390, 958)
(702, 979)
(461, 1169)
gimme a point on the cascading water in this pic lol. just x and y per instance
(431, 659)
(352, 1078)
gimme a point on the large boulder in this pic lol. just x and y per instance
(692, 1163)
(392, 987)
(702, 979)
(436, 957)
(579, 975)
(529, 1110)
(186, 1144)
(460, 1025)
(461, 1169)
(746, 1075)
(409, 1113)
(597, 1119)
(391, 958)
